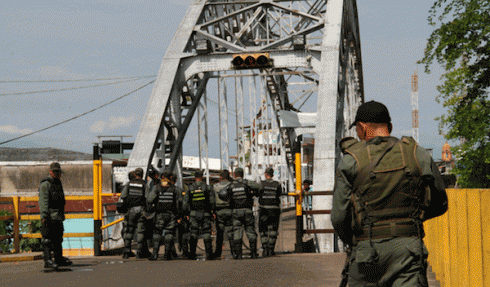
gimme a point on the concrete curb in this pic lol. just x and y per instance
(29, 256)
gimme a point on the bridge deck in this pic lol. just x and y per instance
(281, 270)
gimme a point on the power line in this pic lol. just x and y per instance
(78, 116)
(73, 80)
(69, 89)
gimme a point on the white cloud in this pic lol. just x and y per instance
(14, 130)
(111, 124)
(120, 122)
(98, 127)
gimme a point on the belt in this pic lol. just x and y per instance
(217, 208)
(391, 229)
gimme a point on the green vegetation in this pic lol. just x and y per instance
(25, 226)
(460, 44)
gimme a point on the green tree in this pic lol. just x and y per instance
(460, 44)
(6, 228)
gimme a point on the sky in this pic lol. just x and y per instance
(60, 40)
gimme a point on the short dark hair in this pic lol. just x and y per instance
(138, 172)
(225, 174)
(131, 175)
(167, 175)
(239, 172)
(269, 171)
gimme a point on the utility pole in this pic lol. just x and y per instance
(415, 106)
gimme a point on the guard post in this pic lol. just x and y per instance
(97, 208)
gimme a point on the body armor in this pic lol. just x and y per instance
(136, 193)
(270, 195)
(241, 195)
(56, 202)
(166, 200)
(393, 194)
(199, 197)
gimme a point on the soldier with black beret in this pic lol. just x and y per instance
(385, 188)
(52, 210)
(133, 197)
(269, 212)
(241, 195)
(199, 201)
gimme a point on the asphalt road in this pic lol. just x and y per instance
(281, 270)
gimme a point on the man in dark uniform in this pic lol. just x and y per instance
(152, 180)
(182, 221)
(199, 201)
(163, 199)
(269, 212)
(241, 201)
(224, 221)
(52, 210)
(133, 197)
(384, 189)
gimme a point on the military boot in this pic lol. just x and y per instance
(145, 252)
(127, 249)
(192, 249)
(265, 250)
(58, 256)
(156, 248)
(238, 250)
(168, 250)
(208, 246)
(48, 260)
(253, 249)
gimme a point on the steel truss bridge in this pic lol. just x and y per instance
(311, 67)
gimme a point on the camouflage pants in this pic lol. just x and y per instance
(200, 221)
(134, 222)
(224, 226)
(167, 222)
(243, 218)
(268, 226)
(398, 263)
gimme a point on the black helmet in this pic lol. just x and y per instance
(224, 194)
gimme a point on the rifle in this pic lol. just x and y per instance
(345, 271)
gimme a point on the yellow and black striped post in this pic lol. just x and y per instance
(97, 208)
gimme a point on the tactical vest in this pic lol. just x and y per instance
(392, 194)
(136, 193)
(199, 196)
(269, 195)
(220, 203)
(166, 200)
(241, 195)
(56, 195)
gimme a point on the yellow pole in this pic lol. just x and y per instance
(97, 181)
(299, 198)
(100, 190)
(96, 185)
(299, 208)
(16, 225)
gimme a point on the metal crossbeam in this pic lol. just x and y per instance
(323, 75)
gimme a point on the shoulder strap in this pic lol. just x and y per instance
(364, 172)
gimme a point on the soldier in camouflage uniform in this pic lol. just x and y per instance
(241, 193)
(224, 221)
(52, 210)
(269, 212)
(133, 197)
(163, 199)
(182, 221)
(384, 189)
(199, 201)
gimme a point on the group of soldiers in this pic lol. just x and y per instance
(156, 209)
